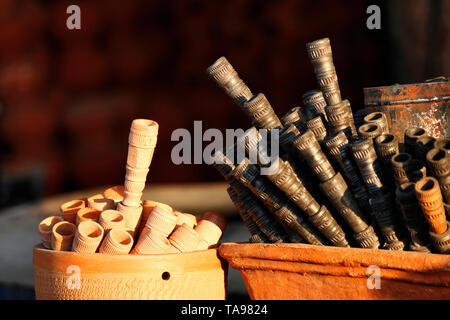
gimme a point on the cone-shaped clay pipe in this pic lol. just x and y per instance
(261, 112)
(69, 210)
(110, 219)
(116, 242)
(187, 218)
(87, 213)
(443, 144)
(274, 199)
(411, 136)
(186, 239)
(209, 231)
(161, 220)
(248, 221)
(63, 233)
(378, 118)
(45, 230)
(255, 215)
(101, 203)
(142, 142)
(216, 218)
(132, 216)
(439, 163)
(116, 193)
(147, 208)
(152, 242)
(405, 197)
(88, 237)
(315, 104)
(430, 199)
(223, 73)
(321, 56)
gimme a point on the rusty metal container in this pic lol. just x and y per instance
(424, 105)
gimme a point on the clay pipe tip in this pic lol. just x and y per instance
(221, 70)
(87, 213)
(443, 144)
(216, 218)
(69, 209)
(370, 130)
(145, 126)
(438, 161)
(116, 193)
(45, 229)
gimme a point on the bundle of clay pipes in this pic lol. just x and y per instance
(118, 222)
(339, 181)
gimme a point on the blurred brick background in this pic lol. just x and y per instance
(68, 96)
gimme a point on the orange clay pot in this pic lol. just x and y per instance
(132, 216)
(85, 214)
(187, 276)
(117, 241)
(115, 193)
(45, 230)
(62, 236)
(302, 271)
(69, 210)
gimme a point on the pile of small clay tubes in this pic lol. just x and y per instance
(119, 222)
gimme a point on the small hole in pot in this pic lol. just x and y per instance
(165, 275)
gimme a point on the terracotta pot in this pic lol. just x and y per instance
(302, 271)
(111, 219)
(188, 276)
(190, 219)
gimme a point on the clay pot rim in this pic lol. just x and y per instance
(423, 185)
(399, 158)
(48, 228)
(71, 205)
(386, 138)
(373, 116)
(117, 215)
(64, 223)
(147, 126)
(114, 233)
(91, 261)
(90, 231)
(369, 127)
(439, 153)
